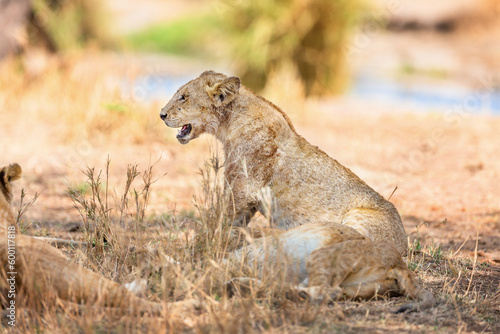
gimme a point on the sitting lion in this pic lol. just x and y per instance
(262, 150)
(33, 273)
(342, 238)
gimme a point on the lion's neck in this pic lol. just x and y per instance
(231, 118)
(251, 124)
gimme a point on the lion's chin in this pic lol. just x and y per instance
(183, 141)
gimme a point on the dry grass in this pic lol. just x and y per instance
(133, 231)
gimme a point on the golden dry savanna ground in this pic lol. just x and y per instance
(72, 116)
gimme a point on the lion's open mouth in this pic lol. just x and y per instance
(184, 131)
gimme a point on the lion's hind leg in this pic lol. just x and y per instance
(362, 269)
(327, 268)
(356, 269)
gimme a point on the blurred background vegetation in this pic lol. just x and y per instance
(308, 37)
(301, 47)
(263, 38)
(259, 38)
(63, 25)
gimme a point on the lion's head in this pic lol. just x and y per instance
(199, 105)
(8, 174)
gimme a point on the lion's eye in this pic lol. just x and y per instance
(182, 98)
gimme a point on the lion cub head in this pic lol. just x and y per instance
(199, 106)
(8, 174)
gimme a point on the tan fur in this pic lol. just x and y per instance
(262, 149)
(44, 274)
(325, 262)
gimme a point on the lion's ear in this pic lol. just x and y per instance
(10, 173)
(224, 91)
(207, 73)
(7, 175)
(14, 172)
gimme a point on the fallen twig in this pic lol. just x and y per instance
(59, 241)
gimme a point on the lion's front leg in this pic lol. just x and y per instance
(243, 198)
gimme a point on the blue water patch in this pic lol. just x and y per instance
(149, 88)
(436, 97)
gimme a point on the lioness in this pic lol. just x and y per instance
(262, 149)
(39, 274)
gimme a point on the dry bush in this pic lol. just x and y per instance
(116, 226)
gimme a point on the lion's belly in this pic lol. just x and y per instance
(298, 244)
(290, 251)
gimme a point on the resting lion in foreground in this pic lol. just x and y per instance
(262, 150)
(342, 238)
(33, 273)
